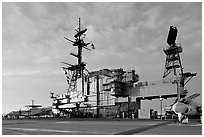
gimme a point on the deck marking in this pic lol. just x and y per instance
(180, 124)
(51, 130)
(104, 123)
(39, 130)
(139, 130)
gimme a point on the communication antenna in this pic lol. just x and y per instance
(173, 63)
(74, 72)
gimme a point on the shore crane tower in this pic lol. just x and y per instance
(173, 63)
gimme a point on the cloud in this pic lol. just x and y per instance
(31, 73)
(151, 18)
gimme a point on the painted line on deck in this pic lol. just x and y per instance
(26, 122)
(41, 130)
(191, 125)
(103, 123)
(139, 130)
(196, 125)
(51, 130)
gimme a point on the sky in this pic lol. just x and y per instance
(126, 35)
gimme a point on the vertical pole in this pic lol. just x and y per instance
(82, 82)
(181, 89)
(161, 99)
(79, 45)
(80, 60)
(32, 102)
(129, 101)
(138, 106)
(97, 94)
(79, 25)
(88, 86)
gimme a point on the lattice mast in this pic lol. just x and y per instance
(74, 72)
(173, 63)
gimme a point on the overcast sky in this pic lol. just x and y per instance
(126, 35)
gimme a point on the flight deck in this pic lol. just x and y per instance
(99, 127)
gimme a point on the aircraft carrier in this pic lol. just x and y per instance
(108, 101)
(116, 92)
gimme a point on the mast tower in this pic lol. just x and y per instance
(74, 72)
(173, 63)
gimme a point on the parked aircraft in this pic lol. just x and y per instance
(186, 107)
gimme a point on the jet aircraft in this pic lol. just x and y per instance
(186, 107)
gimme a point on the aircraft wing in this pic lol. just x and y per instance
(157, 97)
(193, 96)
(189, 99)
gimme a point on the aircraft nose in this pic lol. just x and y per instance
(180, 108)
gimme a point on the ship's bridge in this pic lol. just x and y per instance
(143, 90)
